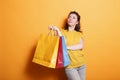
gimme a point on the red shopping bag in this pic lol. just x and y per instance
(59, 62)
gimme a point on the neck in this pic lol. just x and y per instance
(71, 28)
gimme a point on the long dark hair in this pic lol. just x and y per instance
(77, 27)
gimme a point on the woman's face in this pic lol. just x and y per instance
(72, 20)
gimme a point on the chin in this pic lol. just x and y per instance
(70, 25)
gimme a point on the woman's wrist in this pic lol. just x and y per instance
(54, 28)
(68, 47)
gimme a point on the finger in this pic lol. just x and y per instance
(50, 27)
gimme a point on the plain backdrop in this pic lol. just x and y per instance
(22, 21)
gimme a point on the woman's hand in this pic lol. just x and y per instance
(54, 28)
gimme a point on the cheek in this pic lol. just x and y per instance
(75, 22)
(72, 21)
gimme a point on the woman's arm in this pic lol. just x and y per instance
(55, 29)
(78, 46)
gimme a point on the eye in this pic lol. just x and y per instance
(70, 17)
(74, 17)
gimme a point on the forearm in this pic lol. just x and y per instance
(78, 46)
(58, 32)
(75, 47)
(55, 29)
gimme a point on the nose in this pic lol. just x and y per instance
(70, 19)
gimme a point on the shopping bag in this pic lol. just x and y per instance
(59, 62)
(46, 51)
(66, 60)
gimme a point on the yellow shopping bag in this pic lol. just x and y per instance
(46, 51)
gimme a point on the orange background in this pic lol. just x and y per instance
(22, 21)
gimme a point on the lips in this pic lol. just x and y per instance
(69, 21)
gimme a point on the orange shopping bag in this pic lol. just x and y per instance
(46, 51)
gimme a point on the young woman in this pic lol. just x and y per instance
(75, 43)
